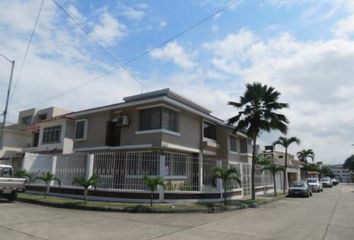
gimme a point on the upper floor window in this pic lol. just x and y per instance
(158, 118)
(42, 117)
(233, 145)
(26, 120)
(209, 130)
(80, 129)
(51, 134)
(244, 145)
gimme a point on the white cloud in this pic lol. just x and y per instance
(109, 30)
(175, 53)
(133, 13)
(314, 77)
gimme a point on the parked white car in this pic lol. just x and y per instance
(10, 186)
(315, 185)
(326, 182)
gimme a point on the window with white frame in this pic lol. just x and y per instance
(176, 164)
(142, 164)
(158, 118)
(233, 144)
(51, 134)
(80, 129)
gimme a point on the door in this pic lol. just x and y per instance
(112, 134)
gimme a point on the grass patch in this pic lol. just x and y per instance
(133, 207)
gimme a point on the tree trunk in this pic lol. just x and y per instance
(253, 169)
(151, 197)
(47, 189)
(225, 197)
(85, 195)
(275, 185)
(285, 185)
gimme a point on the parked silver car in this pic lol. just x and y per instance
(314, 184)
(299, 189)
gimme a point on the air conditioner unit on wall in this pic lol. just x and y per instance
(122, 120)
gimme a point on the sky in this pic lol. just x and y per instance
(303, 48)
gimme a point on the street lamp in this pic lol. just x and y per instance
(7, 99)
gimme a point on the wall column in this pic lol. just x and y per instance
(219, 181)
(201, 160)
(54, 167)
(89, 165)
(162, 174)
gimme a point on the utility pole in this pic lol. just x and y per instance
(7, 101)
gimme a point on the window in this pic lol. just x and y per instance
(243, 145)
(142, 164)
(233, 146)
(80, 129)
(51, 134)
(26, 120)
(5, 172)
(158, 118)
(209, 131)
(169, 119)
(41, 117)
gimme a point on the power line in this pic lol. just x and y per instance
(83, 28)
(27, 49)
(188, 29)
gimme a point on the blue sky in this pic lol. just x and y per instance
(304, 48)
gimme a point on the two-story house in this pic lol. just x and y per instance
(158, 121)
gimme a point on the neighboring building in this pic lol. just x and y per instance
(31, 134)
(293, 167)
(50, 129)
(159, 121)
(342, 174)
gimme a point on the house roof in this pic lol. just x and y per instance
(55, 118)
(165, 95)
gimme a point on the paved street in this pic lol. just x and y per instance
(328, 215)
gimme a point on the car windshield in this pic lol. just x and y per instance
(312, 180)
(324, 179)
(5, 172)
(298, 184)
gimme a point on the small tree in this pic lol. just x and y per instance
(86, 183)
(273, 169)
(349, 163)
(152, 183)
(47, 177)
(226, 175)
(31, 177)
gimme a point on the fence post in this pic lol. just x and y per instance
(89, 165)
(201, 160)
(219, 181)
(54, 167)
(162, 174)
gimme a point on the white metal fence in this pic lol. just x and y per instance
(125, 170)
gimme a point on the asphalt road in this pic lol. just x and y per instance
(328, 215)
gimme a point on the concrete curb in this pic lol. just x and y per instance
(143, 209)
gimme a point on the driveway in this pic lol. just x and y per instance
(328, 215)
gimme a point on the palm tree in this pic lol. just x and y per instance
(226, 175)
(273, 169)
(86, 183)
(47, 177)
(303, 155)
(152, 183)
(285, 143)
(258, 107)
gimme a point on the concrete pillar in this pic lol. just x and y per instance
(54, 167)
(89, 165)
(219, 181)
(241, 178)
(200, 171)
(162, 174)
